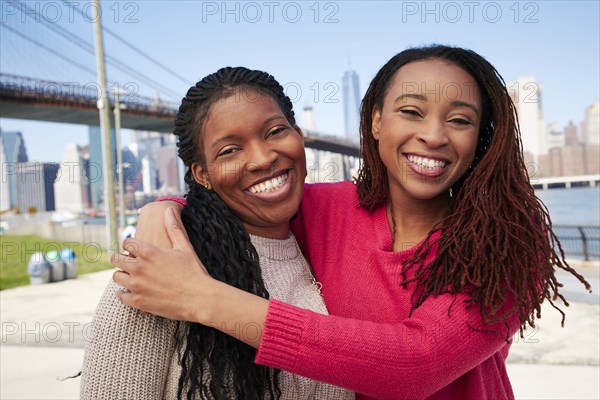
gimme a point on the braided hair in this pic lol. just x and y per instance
(497, 243)
(215, 365)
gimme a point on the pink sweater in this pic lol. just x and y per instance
(370, 344)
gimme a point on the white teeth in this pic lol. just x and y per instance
(270, 185)
(426, 162)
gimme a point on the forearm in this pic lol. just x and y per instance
(170, 281)
(410, 359)
(233, 311)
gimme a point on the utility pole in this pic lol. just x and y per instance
(107, 159)
(119, 159)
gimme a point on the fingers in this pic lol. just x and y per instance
(129, 299)
(175, 230)
(122, 278)
(125, 297)
(126, 262)
(133, 246)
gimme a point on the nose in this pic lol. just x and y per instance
(433, 134)
(262, 156)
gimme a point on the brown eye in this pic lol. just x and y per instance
(413, 113)
(227, 151)
(460, 121)
(277, 131)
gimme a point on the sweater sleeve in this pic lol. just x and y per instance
(412, 359)
(179, 200)
(127, 353)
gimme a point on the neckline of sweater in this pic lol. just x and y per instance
(275, 249)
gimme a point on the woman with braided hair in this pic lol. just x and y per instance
(246, 168)
(430, 262)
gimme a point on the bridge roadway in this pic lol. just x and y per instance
(567, 182)
(68, 102)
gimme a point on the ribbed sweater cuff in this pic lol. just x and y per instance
(281, 338)
(179, 200)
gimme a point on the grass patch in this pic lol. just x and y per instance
(16, 250)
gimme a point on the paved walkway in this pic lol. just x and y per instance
(44, 328)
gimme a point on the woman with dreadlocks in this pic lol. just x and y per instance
(246, 168)
(429, 264)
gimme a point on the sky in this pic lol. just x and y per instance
(307, 46)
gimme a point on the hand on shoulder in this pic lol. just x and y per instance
(150, 226)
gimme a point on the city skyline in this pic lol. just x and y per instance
(519, 38)
(152, 168)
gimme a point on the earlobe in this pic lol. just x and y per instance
(376, 122)
(199, 174)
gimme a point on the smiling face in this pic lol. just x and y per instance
(254, 159)
(427, 129)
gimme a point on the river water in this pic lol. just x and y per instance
(576, 206)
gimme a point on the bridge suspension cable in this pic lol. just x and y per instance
(88, 47)
(48, 49)
(134, 48)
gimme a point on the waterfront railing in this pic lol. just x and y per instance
(579, 241)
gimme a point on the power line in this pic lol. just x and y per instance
(134, 48)
(48, 49)
(90, 49)
(187, 82)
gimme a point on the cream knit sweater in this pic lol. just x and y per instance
(130, 355)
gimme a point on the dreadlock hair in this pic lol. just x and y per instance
(215, 365)
(497, 243)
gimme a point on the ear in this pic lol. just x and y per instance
(375, 122)
(199, 173)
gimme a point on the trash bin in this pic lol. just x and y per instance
(68, 257)
(39, 269)
(58, 266)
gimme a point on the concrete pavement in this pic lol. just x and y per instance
(43, 333)
(44, 328)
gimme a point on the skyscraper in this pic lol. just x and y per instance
(168, 172)
(35, 186)
(13, 151)
(148, 144)
(71, 185)
(591, 125)
(526, 93)
(132, 170)
(555, 136)
(571, 134)
(351, 94)
(308, 120)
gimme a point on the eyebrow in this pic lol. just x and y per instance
(221, 139)
(415, 96)
(423, 98)
(458, 103)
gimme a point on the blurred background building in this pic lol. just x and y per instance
(552, 150)
(351, 92)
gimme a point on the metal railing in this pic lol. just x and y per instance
(579, 241)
